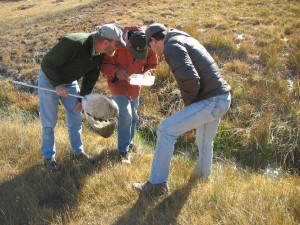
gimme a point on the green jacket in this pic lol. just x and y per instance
(71, 59)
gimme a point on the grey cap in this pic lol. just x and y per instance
(153, 29)
(112, 32)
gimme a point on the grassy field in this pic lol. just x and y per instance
(257, 155)
(81, 194)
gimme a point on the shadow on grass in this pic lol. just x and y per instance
(151, 211)
(38, 197)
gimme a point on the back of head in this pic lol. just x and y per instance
(138, 45)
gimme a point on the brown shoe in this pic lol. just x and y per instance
(151, 189)
(84, 158)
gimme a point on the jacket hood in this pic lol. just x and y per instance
(174, 32)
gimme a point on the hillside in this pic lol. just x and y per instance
(257, 155)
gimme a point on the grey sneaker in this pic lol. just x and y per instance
(124, 158)
(151, 189)
(83, 157)
(51, 165)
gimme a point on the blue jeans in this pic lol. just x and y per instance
(48, 114)
(204, 116)
(128, 118)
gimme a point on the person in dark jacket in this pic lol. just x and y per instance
(206, 96)
(75, 56)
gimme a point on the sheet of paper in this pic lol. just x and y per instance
(141, 79)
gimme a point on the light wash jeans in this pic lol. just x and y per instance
(204, 116)
(128, 118)
(48, 114)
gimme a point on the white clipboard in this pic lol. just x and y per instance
(141, 79)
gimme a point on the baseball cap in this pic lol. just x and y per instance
(153, 29)
(139, 48)
(112, 32)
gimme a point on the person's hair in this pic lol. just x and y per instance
(100, 38)
(160, 35)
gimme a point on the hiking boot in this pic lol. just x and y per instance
(151, 189)
(83, 157)
(124, 158)
(51, 165)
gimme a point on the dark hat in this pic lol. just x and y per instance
(153, 29)
(139, 48)
(112, 32)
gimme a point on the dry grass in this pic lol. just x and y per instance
(256, 44)
(81, 194)
(12, 10)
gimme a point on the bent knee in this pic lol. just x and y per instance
(163, 129)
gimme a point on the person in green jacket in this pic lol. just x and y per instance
(76, 56)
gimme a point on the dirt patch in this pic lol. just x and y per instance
(12, 0)
(23, 7)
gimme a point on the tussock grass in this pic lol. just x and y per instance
(81, 194)
(238, 67)
(12, 100)
(220, 46)
(294, 57)
(270, 56)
